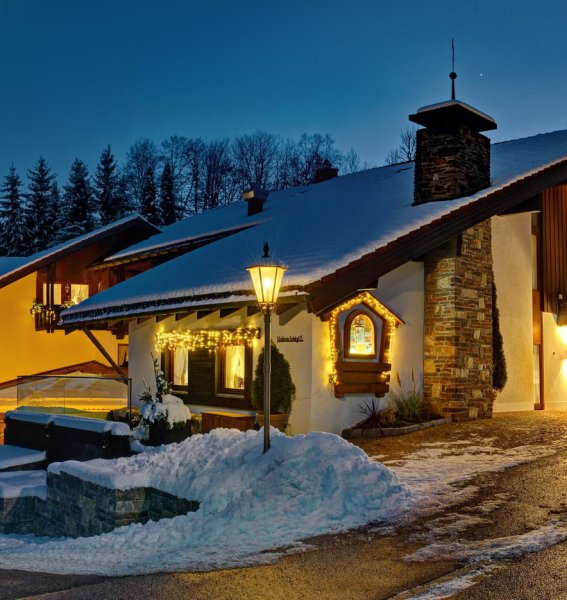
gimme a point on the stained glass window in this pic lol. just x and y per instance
(361, 336)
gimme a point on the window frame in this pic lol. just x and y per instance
(378, 343)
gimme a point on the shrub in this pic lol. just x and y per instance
(282, 389)
(408, 402)
(372, 411)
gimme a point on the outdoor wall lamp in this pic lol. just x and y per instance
(267, 275)
(561, 311)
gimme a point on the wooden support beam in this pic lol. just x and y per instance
(252, 310)
(201, 314)
(283, 308)
(103, 351)
(161, 318)
(225, 312)
(183, 315)
(141, 320)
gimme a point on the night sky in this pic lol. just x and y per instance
(77, 75)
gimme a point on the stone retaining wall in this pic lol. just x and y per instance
(18, 515)
(75, 507)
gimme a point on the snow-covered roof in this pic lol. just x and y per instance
(212, 223)
(316, 230)
(12, 268)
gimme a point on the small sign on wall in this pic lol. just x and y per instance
(296, 339)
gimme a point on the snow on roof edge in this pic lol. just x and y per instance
(49, 252)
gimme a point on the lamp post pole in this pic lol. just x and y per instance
(267, 374)
(267, 275)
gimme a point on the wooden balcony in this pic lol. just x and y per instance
(47, 319)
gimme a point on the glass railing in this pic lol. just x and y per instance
(82, 396)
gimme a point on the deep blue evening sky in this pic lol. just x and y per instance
(77, 75)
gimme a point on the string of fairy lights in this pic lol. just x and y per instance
(391, 322)
(206, 339)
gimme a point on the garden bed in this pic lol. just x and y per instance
(358, 431)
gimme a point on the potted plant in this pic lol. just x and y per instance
(282, 390)
(164, 418)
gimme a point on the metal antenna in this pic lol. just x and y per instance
(452, 74)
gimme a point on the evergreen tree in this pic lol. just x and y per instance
(148, 204)
(77, 215)
(42, 205)
(105, 188)
(13, 231)
(122, 198)
(167, 204)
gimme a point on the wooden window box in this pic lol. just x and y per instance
(359, 377)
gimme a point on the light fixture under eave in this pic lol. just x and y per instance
(561, 311)
(267, 275)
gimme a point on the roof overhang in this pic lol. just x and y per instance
(363, 273)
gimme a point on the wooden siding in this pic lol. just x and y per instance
(554, 246)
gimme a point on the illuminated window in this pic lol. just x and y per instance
(233, 368)
(360, 335)
(180, 366)
(56, 293)
(79, 292)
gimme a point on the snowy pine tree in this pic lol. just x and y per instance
(167, 204)
(76, 217)
(13, 231)
(148, 204)
(105, 188)
(42, 205)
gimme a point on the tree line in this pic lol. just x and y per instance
(180, 177)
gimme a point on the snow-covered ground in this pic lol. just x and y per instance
(255, 507)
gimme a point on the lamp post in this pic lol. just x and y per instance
(267, 275)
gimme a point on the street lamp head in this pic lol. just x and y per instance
(267, 275)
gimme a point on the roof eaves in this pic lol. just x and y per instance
(336, 287)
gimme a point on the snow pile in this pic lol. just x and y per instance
(19, 484)
(250, 503)
(94, 425)
(15, 456)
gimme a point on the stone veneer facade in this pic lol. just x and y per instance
(458, 328)
(75, 507)
(451, 162)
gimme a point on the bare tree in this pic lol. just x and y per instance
(255, 158)
(142, 155)
(405, 152)
(216, 180)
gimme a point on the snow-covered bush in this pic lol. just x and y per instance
(162, 412)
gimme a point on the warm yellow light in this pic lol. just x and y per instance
(206, 339)
(267, 275)
(563, 334)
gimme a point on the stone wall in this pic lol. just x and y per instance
(450, 162)
(458, 328)
(17, 515)
(74, 507)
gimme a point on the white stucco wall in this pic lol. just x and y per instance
(512, 256)
(315, 407)
(402, 291)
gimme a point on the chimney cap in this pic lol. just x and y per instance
(255, 192)
(325, 171)
(453, 112)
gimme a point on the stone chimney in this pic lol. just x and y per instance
(255, 197)
(325, 172)
(452, 156)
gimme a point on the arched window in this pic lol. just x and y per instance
(360, 336)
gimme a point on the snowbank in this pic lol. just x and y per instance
(250, 503)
